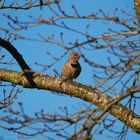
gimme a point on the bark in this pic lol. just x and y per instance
(84, 92)
(137, 9)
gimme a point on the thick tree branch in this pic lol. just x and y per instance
(13, 51)
(137, 9)
(25, 68)
(86, 93)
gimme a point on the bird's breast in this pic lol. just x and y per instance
(75, 65)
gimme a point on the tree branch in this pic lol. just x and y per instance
(25, 68)
(13, 51)
(84, 92)
(137, 9)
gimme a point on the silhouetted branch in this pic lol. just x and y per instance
(13, 51)
(27, 5)
(114, 78)
(25, 68)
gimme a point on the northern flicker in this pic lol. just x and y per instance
(71, 68)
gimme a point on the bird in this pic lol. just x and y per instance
(72, 68)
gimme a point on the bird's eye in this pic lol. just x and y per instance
(75, 54)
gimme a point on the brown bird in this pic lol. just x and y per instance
(71, 68)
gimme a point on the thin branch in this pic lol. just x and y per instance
(86, 93)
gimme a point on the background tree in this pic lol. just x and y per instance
(137, 8)
(39, 35)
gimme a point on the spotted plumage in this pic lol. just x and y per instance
(71, 68)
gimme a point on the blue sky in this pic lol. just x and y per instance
(35, 100)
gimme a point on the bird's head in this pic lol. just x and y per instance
(74, 57)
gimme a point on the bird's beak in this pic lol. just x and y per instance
(79, 56)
